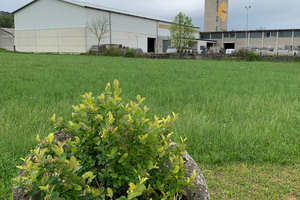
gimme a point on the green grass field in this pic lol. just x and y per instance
(234, 114)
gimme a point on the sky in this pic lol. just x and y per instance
(269, 14)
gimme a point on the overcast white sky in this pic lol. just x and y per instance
(271, 14)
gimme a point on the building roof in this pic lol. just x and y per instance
(10, 31)
(97, 7)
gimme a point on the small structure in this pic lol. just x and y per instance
(7, 38)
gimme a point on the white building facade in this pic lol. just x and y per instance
(60, 26)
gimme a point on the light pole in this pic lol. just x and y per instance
(247, 7)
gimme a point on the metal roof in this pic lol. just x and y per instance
(97, 7)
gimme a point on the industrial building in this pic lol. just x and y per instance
(287, 39)
(215, 15)
(61, 26)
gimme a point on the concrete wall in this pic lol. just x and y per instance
(6, 41)
(296, 41)
(282, 41)
(270, 42)
(70, 40)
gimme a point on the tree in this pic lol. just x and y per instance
(261, 28)
(99, 26)
(6, 21)
(182, 32)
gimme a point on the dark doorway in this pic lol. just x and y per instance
(210, 45)
(151, 45)
(229, 45)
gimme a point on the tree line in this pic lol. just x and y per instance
(6, 21)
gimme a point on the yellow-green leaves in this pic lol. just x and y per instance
(110, 118)
(99, 117)
(176, 169)
(87, 175)
(136, 190)
(114, 150)
(150, 165)
(73, 163)
(37, 138)
(110, 193)
(116, 84)
(117, 92)
(44, 188)
(58, 149)
(123, 157)
(50, 137)
(53, 117)
(194, 174)
(77, 187)
(107, 88)
(139, 99)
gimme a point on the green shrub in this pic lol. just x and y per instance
(115, 152)
(251, 56)
(130, 53)
(111, 52)
(246, 54)
(241, 53)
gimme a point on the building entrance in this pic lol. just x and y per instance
(229, 45)
(151, 45)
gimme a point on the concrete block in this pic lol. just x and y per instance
(25, 41)
(47, 33)
(47, 41)
(72, 49)
(72, 32)
(46, 49)
(26, 49)
(71, 41)
(25, 34)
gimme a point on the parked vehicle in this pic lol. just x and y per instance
(171, 49)
(230, 51)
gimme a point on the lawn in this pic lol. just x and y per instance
(241, 119)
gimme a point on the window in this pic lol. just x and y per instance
(240, 35)
(297, 34)
(217, 8)
(217, 18)
(216, 36)
(217, 1)
(216, 28)
(205, 36)
(256, 35)
(270, 34)
(285, 34)
(229, 35)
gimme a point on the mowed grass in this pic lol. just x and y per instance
(233, 113)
